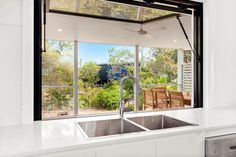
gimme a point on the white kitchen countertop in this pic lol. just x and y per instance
(50, 136)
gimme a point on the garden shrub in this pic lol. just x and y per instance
(88, 97)
(57, 99)
(108, 98)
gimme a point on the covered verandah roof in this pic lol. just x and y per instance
(162, 33)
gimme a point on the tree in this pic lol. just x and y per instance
(57, 71)
(120, 56)
(123, 59)
(88, 73)
(163, 63)
(148, 13)
(104, 8)
(61, 47)
(187, 56)
(57, 98)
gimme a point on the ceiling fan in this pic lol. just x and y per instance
(142, 32)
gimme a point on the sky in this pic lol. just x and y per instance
(96, 52)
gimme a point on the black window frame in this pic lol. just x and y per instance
(173, 5)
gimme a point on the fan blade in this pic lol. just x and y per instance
(130, 30)
(151, 36)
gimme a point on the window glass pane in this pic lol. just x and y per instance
(107, 9)
(166, 68)
(101, 66)
(106, 53)
(159, 66)
(57, 79)
(57, 102)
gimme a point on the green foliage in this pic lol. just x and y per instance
(57, 70)
(88, 73)
(128, 87)
(172, 87)
(91, 7)
(162, 68)
(120, 57)
(148, 13)
(61, 47)
(57, 99)
(87, 99)
(187, 56)
(108, 98)
(103, 8)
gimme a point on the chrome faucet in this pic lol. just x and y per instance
(135, 82)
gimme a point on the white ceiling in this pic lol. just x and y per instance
(167, 33)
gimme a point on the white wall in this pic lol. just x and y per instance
(27, 61)
(10, 61)
(220, 53)
(15, 62)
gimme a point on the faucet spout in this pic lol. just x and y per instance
(135, 82)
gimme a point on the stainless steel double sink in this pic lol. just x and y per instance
(92, 129)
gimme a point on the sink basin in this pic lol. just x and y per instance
(159, 122)
(101, 128)
(108, 127)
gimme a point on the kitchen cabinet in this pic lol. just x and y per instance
(188, 145)
(128, 149)
(74, 153)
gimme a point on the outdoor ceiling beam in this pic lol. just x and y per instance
(154, 6)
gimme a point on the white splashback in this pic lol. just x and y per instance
(10, 62)
(16, 58)
(219, 53)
